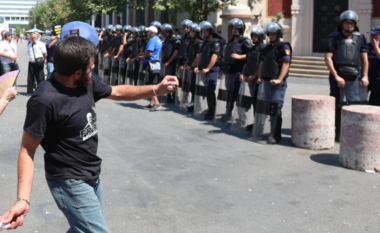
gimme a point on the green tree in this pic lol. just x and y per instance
(18, 30)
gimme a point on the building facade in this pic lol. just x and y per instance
(306, 23)
(14, 12)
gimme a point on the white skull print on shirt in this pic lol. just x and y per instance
(91, 127)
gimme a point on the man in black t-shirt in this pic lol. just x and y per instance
(61, 116)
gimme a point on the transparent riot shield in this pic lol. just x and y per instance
(107, 70)
(353, 93)
(162, 98)
(114, 71)
(200, 98)
(141, 77)
(130, 69)
(224, 103)
(101, 66)
(268, 110)
(186, 85)
(243, 111)
(122, 71)
(178, 93)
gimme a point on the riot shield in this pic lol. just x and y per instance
(162, 98)
(101, 66)
(224, 103)
(122, 71)
(178, 93)
(200, 98)
(130, 69)
(114, 71)
(186, 85)
(243, 111)
(267, 111)
(353, 93)
(107, 70)
(141, 78)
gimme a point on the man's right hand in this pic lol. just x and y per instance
(15, 215)
(196, 70)
(9, 94)
(340, 81)
(251, 78)
(259, 80)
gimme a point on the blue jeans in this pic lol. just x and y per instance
(5, 68)
(81, 202)
(50, 69)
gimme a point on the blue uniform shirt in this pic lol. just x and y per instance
(154, 45)
(283, 55)
(50, 52)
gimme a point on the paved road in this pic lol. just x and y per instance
(168, 172)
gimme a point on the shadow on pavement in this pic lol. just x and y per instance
(131, 105)
(286, 132)
(327, 159)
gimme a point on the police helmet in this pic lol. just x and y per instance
(256, 30)
(143, 30)
(109, 27)
(156, 24)
(118, 27)
(274, 28)
(187, 23)
(103, 29)
(98, 29)
(206, 25)
(197, 29)
(127, 28)
(349, 16)
(237, 23)
(113, 30)
(167, 28)
(135, 30)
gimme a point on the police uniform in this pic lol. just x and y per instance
(374, 76)
(195, 48)
(347, 62)
(107, 61)
(232, 69)
(270, 99)
(170, 45)
(117, 41)
(209, 48)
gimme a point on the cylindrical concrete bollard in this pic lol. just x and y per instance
(360, 138)
(313, 121)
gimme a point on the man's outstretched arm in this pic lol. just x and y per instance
(16, 214)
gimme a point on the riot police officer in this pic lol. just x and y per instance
(96, 59)
(251, 68)
(158, 26)
(135, 60)
(272, 75)
(142, 45)
(193, 55)
(170, 51)
(374, 66)
(185, 42)
(208, 65)
(347, 60)
(107, 41)
(232, 66)
(114, 53)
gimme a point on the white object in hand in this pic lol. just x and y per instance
(170, 87)
(4, 226)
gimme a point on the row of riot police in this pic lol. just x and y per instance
(252, 75)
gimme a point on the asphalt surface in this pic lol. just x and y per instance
(169, 172)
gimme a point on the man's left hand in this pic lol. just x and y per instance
(167, 64)
(169, 80)
(115, 57)
(364, 82)
(205, 71)
(275, 82)
(45, 61)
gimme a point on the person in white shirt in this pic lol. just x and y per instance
(8, 54)
(37, 59)
(2, 35)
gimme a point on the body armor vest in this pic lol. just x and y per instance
(206, 53)
(134, 49)
(272, 65)
(168, 47)
(185, 42)
(347, 58)
(253, 60)
(192, 53)
(233, 46)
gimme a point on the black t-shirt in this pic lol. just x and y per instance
(65, 119)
